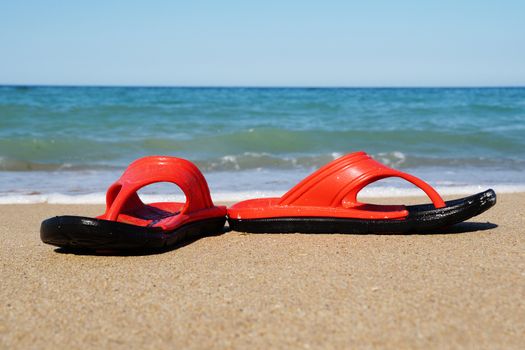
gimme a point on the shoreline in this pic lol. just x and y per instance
(270, 290)
(372, 193)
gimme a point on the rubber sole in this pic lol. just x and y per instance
(78, 232)
(421, 218)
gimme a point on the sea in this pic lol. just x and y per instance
(68, 144)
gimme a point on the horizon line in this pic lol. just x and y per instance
(266, 86)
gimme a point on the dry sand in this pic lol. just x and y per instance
(456, 290)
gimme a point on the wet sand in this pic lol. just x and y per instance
(461, 288)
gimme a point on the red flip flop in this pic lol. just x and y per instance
(326, 202)
(128, 223)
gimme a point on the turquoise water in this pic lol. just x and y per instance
(76, 140)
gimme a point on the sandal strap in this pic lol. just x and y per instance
(122, 195)
(338, 183)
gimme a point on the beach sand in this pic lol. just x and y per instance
(461, 289)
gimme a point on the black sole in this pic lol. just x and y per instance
(420, 218)
(78, 232)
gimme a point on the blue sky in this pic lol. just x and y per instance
(263, 43)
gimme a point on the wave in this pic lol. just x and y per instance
(122, 147)
(10, 164)
(264, 160)
(253, 160)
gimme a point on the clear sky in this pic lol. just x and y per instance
(263, 42)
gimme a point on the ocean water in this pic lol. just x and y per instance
(68, 144)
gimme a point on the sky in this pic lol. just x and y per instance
(263, 43)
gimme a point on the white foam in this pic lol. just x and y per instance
(378, 192)
(383, 192)
(53, 198)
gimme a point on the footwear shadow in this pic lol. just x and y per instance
(460, 228)
(135, 252)
(463, 227)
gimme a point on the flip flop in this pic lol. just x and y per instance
(128, 223)
(326, 202)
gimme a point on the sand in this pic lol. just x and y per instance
(455, 290)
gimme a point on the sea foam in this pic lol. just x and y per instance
(382, 192)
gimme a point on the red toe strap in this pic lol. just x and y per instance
(338, 183)
(122, 195)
